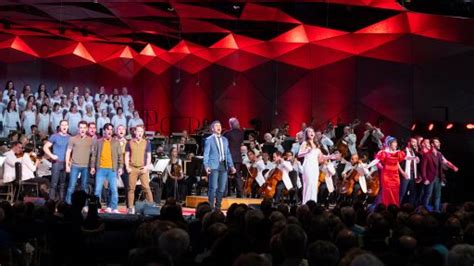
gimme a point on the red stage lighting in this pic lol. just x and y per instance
(449, 126)
(470, 126)
(430, 127)
(413, 127)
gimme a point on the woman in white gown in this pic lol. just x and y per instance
(73, 117)
(309, 149)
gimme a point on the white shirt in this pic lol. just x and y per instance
(220, 146)
(11, 119)
(9, 166)
(101, 121)
(56, 117)
(126, 99)
(269, 165)
(260, 166)
(44, 168)
(116, 121)
(28, 168)
(285, 168)
(133, 122)
(351, 143)
(88, 118)
(327, 142)
(73, 119)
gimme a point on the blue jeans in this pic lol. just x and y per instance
(58, 175)
(433, 189)
(73, 175)
(405, 186)
(111, 177)
(217, 185)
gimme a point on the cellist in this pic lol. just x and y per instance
(254, 162)
(285, 167)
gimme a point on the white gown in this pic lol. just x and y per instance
(311, 175)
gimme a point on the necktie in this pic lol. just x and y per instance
(221, 148)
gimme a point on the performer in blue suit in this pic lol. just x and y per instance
(217, 161)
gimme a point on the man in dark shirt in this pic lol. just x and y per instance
(236, 137)
(431, 175)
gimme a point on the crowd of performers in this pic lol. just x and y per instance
(318, 166)
(324, 168)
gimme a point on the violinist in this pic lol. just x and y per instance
(175, 181)
(13, 156)
(285, 167)
(29, 164)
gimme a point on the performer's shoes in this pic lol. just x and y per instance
(108, 210)
(116, 211)
(131, 210)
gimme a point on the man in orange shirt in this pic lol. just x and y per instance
(108, 160)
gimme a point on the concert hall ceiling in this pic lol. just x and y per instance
(239, 35)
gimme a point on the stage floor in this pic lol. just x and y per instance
(193, 201)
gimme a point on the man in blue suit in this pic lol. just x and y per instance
(217, 161)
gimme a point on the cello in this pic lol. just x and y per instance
(347, 185)
(268, 188)
(250, 179)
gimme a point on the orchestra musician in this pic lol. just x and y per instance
(235, 136)
(255, 162)
(175, 176)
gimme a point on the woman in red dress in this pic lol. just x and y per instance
(388, 160)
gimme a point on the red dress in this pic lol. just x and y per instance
(390, 180)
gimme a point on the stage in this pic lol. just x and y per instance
(193, 201)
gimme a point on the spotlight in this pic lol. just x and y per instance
(178, 80)
(430, 126)
(234, 83)
(413, 127)
(470, 126)
(236, 7)
(170, 9)
(449, 126)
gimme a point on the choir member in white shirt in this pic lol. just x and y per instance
(2, 104)
(130, 109)
(41, 99)
(43, 120)
(56, 96)
(29, 164)
(119, 118)
(135, 121)
(12, 157)
(65, 105)
(41, 88)
(99, 93)
(81, 104)
(113, 108)
(102, 120)
(102, 103)
(9, 90)
(75, 94)
(56, 117)
(73, 117)
(88, 116)
(11, 118)
(23, 97)
(125, 98)
(88, 98)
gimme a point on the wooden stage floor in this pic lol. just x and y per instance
(193, 201)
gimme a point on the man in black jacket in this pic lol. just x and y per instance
(236, 137)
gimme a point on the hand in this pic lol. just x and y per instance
(68, 168)
(119, 172)
(232, 170)
(144, 170)
(427, 182)
(405, 175)
(54, 157)
(208, 170)
(92, 170)
(129, 170)
(456, 169)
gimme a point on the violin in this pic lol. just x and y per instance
(176, 170)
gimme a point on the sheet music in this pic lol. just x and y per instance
(160, 165)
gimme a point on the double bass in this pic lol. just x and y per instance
(268, 189)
